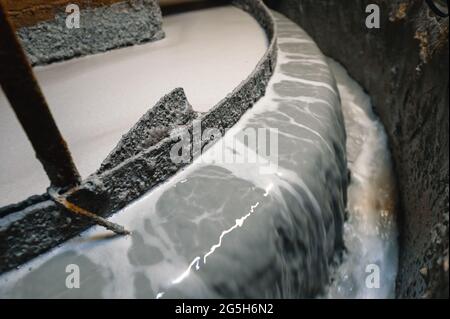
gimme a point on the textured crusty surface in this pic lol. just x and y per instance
(404, 67)
(101, 29)
(171, 111)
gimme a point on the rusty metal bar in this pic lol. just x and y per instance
(25, 96)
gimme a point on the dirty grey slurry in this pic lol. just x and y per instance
(228, 229)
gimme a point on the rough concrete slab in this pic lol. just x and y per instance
(171, 111)
(101, 29)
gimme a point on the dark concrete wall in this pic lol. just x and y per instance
(404, 67)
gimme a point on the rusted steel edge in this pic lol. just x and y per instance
(25, 96)
(62, 200)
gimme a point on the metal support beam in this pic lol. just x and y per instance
(25, 96)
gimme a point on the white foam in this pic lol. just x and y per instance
(370, 232)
